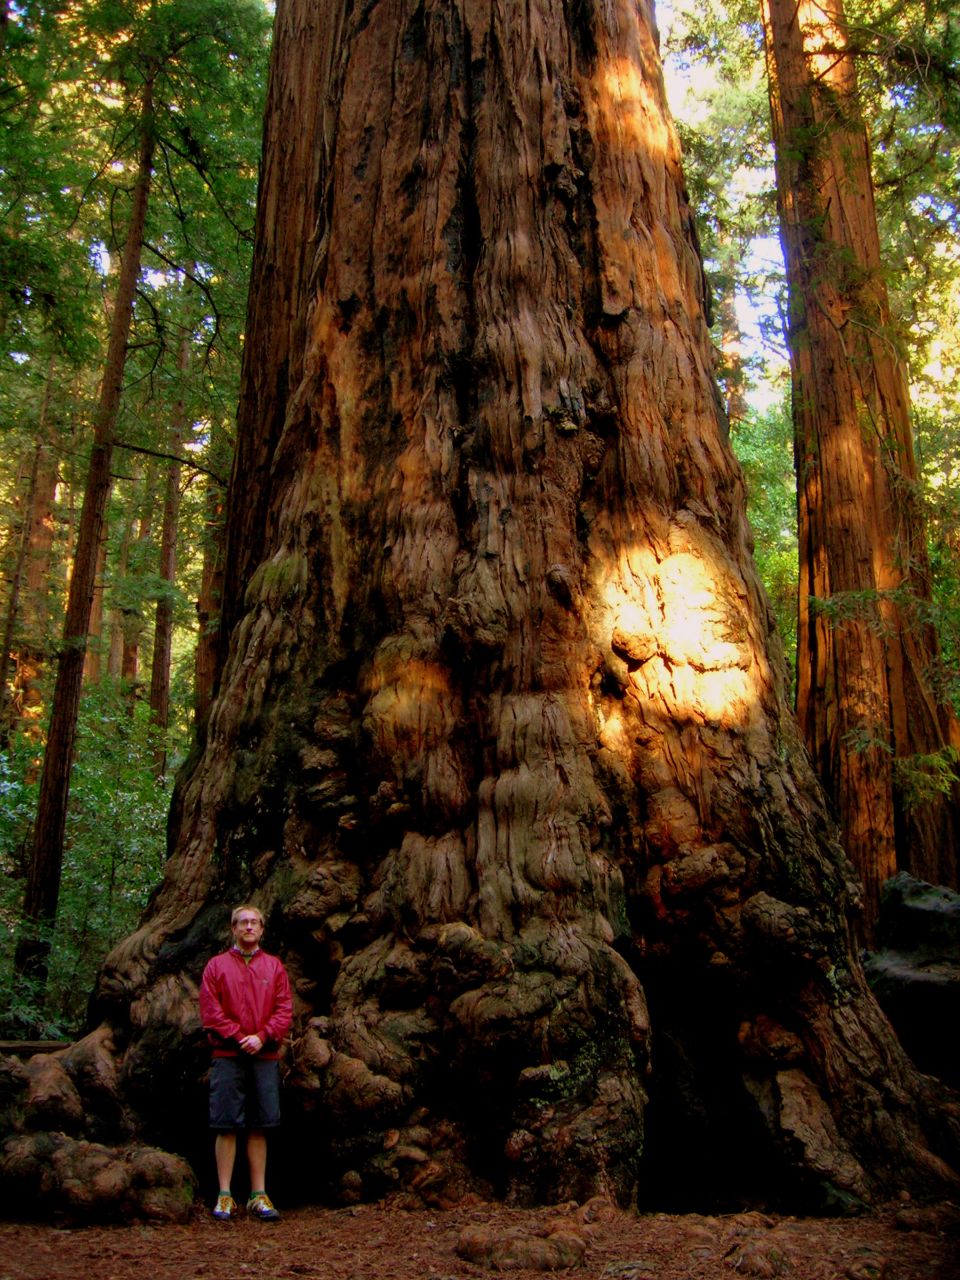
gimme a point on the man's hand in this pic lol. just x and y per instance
(250, 1044)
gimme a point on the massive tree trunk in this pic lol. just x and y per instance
(501, 745)
(867, 656)
(288, 209)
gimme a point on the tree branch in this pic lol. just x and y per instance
(171, 457)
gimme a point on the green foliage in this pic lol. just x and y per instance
(716, 53)
(72, 88)
(922, 778)
(919, 778)
(115, 846)
(763, 443)
(45, 296)
(908, 63)
(937, 420)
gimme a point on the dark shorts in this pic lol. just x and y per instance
(244, 1093)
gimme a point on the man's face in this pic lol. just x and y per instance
(247, 931)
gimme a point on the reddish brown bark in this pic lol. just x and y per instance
(731, 337)
(208, 602)
(46, 853)
(132, 619)
(501, 744)
(866, 655)
(28, 616)
(120, 568)
(93, 659)
(286, 227)
(163, 623)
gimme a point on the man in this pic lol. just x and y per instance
(246, 1009)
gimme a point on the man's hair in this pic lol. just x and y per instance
(245, 906)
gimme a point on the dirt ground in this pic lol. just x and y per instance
(390, 1243)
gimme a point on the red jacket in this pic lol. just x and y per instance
(245, 998)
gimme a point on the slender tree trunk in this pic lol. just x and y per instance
(7, 659)
(731, 340)
(501, 745)
(208, 602)
(866, 654)
(93, 659)
(40, 597)
(167, 572)
(121, 567)
(28, 603)
(132, 620)
(46, 853)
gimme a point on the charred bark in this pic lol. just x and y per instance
(867, 655)
(501, 745)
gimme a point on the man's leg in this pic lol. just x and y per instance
(263, 1114)
(257, 1159)
(226, 1117)
(225, 1148)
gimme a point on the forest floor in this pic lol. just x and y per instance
(385, 1242)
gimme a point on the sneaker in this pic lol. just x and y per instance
(225, 1207)
(260, 1206)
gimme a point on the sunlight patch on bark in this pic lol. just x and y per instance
(679, 626)
(627, 101)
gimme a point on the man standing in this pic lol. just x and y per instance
(246, 1009)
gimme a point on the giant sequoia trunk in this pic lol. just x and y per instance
(500, 743)
(867, 656)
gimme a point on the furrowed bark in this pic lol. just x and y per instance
(867, 654)
(501, 745)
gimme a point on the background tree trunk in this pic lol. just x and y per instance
(163, 623)
(732, 251)
(133, 622)
(93, 659)
(120, 570)
(206, 662)
(867, 654)
(27, 624)
(46, 853)
(501, 745)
